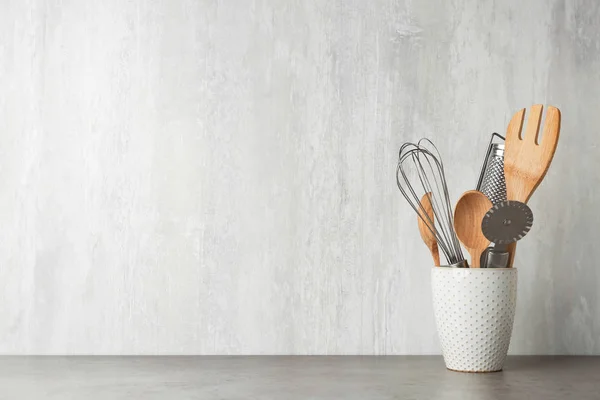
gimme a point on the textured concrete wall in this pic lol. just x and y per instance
(193, 177)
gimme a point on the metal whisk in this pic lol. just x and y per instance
(417, 162)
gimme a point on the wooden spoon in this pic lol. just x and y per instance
(426, 234)
(469, 213)
(526, 157)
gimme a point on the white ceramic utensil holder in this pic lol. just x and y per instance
(474, 312)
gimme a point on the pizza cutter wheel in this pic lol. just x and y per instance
(506, 222)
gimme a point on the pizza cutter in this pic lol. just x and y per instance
(506, 222)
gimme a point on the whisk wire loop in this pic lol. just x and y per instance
(423, 160)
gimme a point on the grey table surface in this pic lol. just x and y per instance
(293, 377)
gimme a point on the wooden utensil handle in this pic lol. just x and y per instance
(436, 255)
(512, 249)
(475, 256)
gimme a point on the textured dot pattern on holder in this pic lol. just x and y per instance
(474, 310)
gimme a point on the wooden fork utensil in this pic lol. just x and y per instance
(527, 157)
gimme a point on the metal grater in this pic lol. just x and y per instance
(491, 179)
(493, 184)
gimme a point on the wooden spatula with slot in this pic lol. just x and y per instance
(527, 157)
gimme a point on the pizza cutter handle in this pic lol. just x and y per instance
(495, 257)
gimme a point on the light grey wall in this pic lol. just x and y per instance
(194, 177)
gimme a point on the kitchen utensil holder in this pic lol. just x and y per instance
(474, 312)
